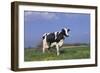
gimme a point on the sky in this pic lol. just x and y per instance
(37, 23)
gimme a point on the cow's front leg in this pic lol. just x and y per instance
(57, 47)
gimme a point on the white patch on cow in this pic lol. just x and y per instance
(53, 44)
(46, 34)
(66, 31)
(57, 47)
(55, 35)
(61, 43)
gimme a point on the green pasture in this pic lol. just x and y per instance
(66, 52)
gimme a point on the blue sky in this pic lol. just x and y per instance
(37, 23)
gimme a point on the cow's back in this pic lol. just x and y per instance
(51, 38)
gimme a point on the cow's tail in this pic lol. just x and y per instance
(45, 45)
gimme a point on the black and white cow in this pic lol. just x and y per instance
(55, 39)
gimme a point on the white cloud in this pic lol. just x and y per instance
(49, 15)
(44, 15)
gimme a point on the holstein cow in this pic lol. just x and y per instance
(54, 39)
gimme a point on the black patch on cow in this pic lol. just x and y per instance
(59, 36)
(51, 37)
(63, 32)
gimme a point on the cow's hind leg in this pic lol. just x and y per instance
(45, 46)
(43, 49)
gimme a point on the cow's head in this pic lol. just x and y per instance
(65, 31)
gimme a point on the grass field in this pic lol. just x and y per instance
(66, 52)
